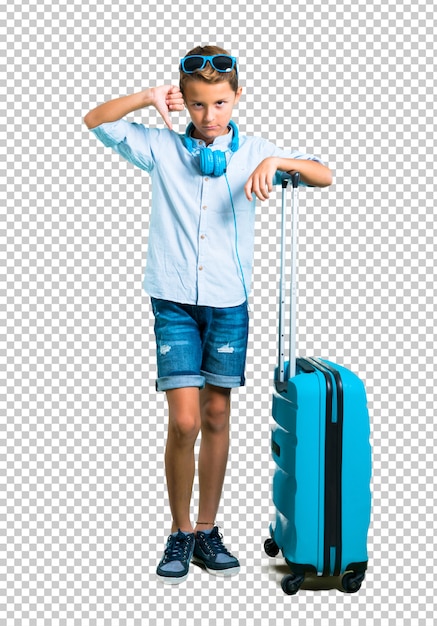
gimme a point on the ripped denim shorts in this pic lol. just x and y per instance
(200, 344)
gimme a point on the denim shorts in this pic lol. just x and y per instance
(200, 344)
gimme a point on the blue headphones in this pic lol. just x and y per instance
(212, 162)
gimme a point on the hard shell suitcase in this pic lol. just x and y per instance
(321, 449)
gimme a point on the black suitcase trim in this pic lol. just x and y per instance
(338, 462)
(333, 468)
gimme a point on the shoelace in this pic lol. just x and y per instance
(213, 543)
(177, 548)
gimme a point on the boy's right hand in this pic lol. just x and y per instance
(166, 99)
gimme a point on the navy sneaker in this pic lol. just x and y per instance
(174, 565)
(210, 553)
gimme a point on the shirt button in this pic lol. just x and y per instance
(206, 178)
(202, 236)
(201, 267)
(204, 207)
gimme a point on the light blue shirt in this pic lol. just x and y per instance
(200, 238)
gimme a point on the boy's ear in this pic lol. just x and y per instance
(238, 94)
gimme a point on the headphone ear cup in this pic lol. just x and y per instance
(219, 163)
(207, 161)
(212, 163)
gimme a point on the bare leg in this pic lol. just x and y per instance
(183, 429)
(215, 405)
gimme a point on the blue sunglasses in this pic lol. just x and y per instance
(220, 62)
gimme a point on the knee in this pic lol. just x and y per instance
(184, 427)
(184, 415)
(215, 415)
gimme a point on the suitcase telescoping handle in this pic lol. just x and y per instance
(282, 375)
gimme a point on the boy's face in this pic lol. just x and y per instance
(210, 108)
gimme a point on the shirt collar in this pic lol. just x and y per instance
(223, 141)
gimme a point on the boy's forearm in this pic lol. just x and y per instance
(116, 109)
(311, 172)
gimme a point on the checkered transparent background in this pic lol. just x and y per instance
(84, 512)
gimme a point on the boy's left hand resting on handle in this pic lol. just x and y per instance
(260, 182)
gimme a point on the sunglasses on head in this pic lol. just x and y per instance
(220, 62)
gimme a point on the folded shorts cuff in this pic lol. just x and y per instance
(227, 382)
(165, 383)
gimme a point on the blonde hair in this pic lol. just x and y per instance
(208, 74)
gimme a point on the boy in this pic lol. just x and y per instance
(198, 275)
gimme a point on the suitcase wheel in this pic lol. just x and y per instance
(291, 584)
(270, 547)
(351, 581)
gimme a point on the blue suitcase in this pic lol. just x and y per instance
(321, 449)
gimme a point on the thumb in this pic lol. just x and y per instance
(163, 110)
(164, 113)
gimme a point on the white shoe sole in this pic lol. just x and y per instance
(231, 571)
(172, 580)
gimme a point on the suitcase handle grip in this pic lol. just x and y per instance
(294, 177)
